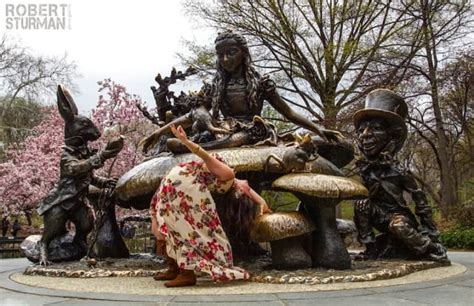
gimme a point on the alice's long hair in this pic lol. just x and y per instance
(237, 214)
(219, 83)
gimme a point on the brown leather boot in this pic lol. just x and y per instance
(184, 278)
(171, 273)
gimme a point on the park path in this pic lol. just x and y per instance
(457, 290)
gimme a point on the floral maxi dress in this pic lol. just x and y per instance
(187, 217)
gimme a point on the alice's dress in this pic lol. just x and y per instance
(187, 217)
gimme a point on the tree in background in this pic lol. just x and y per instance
(18, 122)
(25, 80)
(116, 113)
(456, 86)
(458, 94)
(442, 25)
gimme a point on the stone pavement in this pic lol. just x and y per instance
(456, 290)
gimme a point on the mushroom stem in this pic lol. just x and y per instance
(328, 249)
(288, 254)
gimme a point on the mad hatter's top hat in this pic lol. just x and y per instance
(386, 105)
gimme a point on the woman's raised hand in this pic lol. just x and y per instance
(264, 209)
(257, 199)
(179, 132)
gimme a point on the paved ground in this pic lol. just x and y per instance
(457, 290)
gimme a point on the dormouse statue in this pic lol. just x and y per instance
(295, 160)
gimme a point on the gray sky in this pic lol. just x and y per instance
(128, 41)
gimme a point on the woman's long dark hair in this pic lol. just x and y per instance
(237, 215)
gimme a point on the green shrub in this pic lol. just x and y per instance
(458, 238)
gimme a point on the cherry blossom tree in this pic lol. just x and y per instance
(116, 114)
(32, 167)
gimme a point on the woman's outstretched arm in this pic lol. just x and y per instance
(221, 170)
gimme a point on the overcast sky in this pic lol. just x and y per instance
(128, 41)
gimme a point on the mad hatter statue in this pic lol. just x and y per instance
(381, 132)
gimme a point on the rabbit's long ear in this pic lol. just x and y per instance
(66, 106)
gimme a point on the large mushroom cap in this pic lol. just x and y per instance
(280, 225)
(136, 187)
(321, 186)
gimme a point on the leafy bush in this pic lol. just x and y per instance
(458, 238)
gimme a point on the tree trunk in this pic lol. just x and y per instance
(28, 217)
(447, 191)
(330, 112)
(330, 122)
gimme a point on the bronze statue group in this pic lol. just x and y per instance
(187, 225)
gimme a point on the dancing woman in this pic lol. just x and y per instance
(186, 222)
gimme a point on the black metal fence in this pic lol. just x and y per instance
(10, 247)
(141, 242)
